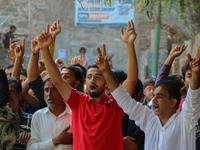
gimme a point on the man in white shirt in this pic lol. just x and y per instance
(165, 128)
(51, 126)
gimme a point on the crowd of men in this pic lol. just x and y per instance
(83, 106)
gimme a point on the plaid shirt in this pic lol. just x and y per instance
(24, 126)
(163, 72)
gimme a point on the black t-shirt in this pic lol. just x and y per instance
(6, 39)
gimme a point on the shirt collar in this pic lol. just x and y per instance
(67, 110)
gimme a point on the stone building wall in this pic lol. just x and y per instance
(71, 38)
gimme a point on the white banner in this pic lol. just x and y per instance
(91, 13)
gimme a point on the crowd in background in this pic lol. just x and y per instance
(91, 105)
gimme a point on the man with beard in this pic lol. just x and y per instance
(96, 117)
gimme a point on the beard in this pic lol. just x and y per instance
(100, 90)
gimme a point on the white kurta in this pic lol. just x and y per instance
(45, 126)
(179, 131)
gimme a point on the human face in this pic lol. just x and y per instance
(9, 72)
(188, 76)
(22, 78)
(95, 83)
(148, 92)
(163, 106)
(82, 52)
(69, 76)
(51, 95)
(15, 97)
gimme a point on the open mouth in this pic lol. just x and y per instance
(155, 107)
(93, 87)
(49, 99)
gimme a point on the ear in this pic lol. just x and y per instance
(144, 92)
(77, 82)
(173, 102)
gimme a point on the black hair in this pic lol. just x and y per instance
(48, 79)
(4, 89)
(83, 68)
(92, 66)
(17, 83)
(13, 27)
(77, 72)
(185, 68)
(172, 84)
(120, 75)
(149, 81)
(24, 72)
(8, 66)
(82, 48)
(138, 88)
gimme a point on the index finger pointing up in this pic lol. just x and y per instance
(47, 29)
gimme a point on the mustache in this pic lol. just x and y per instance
(50, 98)
(93, 84)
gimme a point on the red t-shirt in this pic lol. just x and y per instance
(96, 126)
(181, 103)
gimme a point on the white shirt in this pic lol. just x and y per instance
(45, 126)
(179, 131)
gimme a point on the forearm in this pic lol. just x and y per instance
(132, 69)
(37, 87)
(163, 72)
(36, 144)
(51, 66)
(195, 81)
(17, 68)
(33, 71)
(111, 80)
(135, 110)
(169, 60)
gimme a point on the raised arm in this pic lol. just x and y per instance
(134, 109)
(132, 66)
(44, 40)
(191, 106)
(165, 68)
(103, 65)
(195, 66)
(19, 53)
(33, 71)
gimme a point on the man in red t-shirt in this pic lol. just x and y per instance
(96, 117)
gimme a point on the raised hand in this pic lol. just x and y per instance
(177, 51)
(75, 60)
(195, 67)
(19, 50)
(12, 52)
(45, 39)
(101, 60)
(194, 64)
(83, 60)
(34, 46)
(59, 62)
(130, 35)
(55, 29)
(41, 65)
